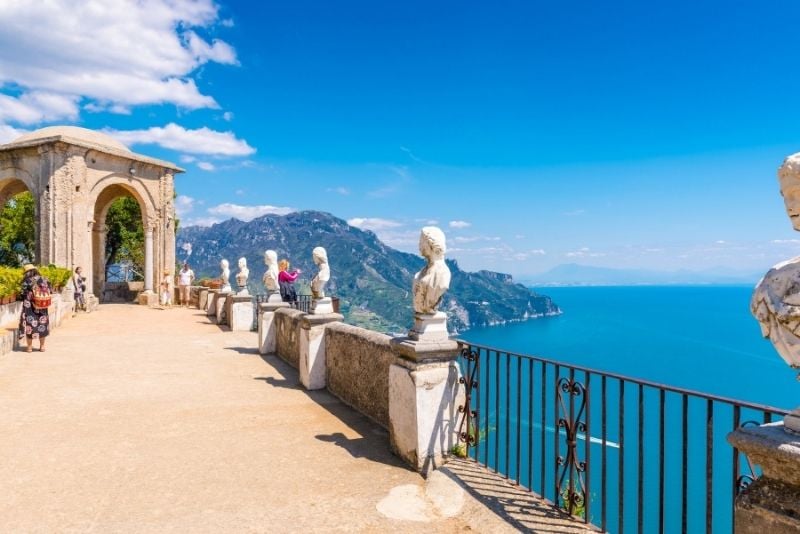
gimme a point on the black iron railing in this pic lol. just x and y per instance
(303, 304)
(623, 454)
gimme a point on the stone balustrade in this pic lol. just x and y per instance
(408, 387)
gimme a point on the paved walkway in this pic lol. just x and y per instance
(144, 420)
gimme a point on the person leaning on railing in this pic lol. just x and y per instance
(286, 282)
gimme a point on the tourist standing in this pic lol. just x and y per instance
(286, 281)
(185, 278)
(36, 295)
(79, 285)
(166, 289)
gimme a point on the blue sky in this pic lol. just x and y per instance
(623, 134)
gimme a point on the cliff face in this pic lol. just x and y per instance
(372, 280)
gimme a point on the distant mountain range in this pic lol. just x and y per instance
(372, 280)
(572, 274)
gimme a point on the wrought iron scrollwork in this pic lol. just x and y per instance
(743, 480)
(570, 484)
(467, 430)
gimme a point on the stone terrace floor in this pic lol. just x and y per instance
(146, 420)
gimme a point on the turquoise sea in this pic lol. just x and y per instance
(698, 338)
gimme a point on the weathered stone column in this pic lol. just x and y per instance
(424, 395)
(312, 348)
(239, 311)
(267, 334)
(211, 303)
(148, 259)
(148, 297)
(771, 504)
(202, 298)
(220, 307)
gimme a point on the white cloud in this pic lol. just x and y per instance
(184, 204)
(584, 252)
(720, 242)
(200, 141)
(339, 190)
(227, 23)
(186, 158)
(227, 116)
(472, 239)
(373, 223)
(239, 192)
(247, 213)
(786, 241)
(37, 106)
(206, 166)
(200, 221)
(537, 252)
(459, 224)
(8, 134)
(116, 53)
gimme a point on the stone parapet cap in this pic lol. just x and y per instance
(420, 352)
(370, 336)
(272, 306)
(310, 320)
(771, 447)
(240, 298)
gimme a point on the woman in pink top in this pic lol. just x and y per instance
(286, 281)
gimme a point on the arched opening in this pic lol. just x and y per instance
(17, 224)
(118, 244)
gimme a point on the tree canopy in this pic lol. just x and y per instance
(125, 234)
(17, 230)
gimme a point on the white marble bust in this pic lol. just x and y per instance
(225, 275)
(431, 283)
(776, 299)
(243, 274)
(270, 278)
(321, 278)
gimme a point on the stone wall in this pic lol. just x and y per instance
(358, 363)
(60, 309)
(287, 330)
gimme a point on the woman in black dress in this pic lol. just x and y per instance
(34, 323)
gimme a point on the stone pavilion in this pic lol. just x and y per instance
(74, 175)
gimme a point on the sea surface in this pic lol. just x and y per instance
(700, 338)
(696, 337)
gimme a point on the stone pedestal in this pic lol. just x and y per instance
(274, 297)
(148, 298)
(239, 310)
(322, 306)
(221, 316)
(771, 503)
(792, 422)
(424, 396)
(211, 303)
(267, 334)
(429, 327)
(202, 298)
(312, 349)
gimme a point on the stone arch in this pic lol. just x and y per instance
(103, 193)
(106, 189)
(14, 181)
